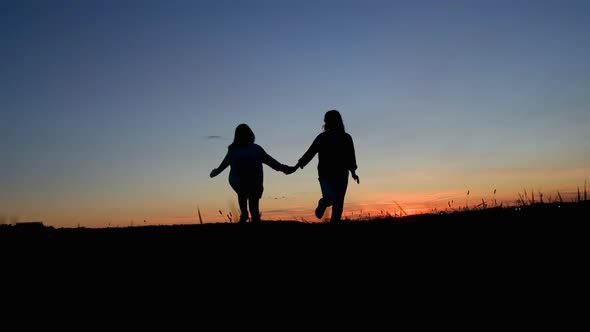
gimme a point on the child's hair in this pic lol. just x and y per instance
(333, 121)
(243, 136)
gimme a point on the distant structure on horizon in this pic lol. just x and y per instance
(31, 228)
(29, 223)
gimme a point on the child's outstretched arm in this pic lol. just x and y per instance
(221, 166)
(274, 164)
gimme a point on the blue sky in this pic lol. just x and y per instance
(108, 107)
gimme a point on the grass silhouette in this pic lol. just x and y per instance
(438, 248)
(484, 221)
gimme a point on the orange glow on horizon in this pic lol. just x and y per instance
(357, 206)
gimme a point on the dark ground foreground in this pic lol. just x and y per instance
(552, 227)
(531, 259)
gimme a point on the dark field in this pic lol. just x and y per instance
(537, 253)
(540, 226)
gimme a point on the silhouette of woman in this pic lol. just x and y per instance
(245, 176)
(336, 157)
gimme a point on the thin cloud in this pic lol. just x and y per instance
(275, 197)
(215, 137)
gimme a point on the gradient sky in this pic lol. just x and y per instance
(115, 112)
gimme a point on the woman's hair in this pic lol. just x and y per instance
(333, 121)
(243, 136)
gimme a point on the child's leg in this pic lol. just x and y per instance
(243, 201)
(254, 208)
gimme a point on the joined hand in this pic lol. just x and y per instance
(289, 170)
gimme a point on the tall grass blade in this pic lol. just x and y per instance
(400, 208)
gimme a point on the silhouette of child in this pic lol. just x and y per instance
(245, 176)
(335, 149)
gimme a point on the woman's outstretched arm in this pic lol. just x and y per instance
(309, 154)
